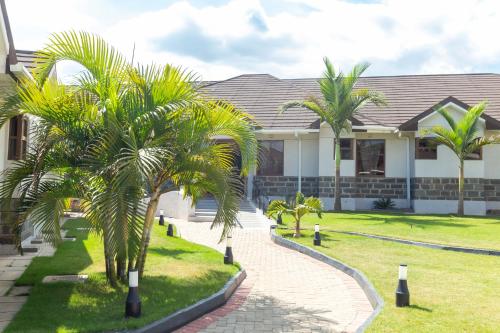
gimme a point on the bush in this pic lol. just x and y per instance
(384, 203)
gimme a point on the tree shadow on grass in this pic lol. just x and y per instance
(173, 253)
(393, 218)
(420, 308)
(95, 306)
(69, 258)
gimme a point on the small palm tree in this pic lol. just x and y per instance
(340, 103)
(462, 138)
(297, 209)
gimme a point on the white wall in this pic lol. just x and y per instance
(326, 161)
(491, 158)
(435, 119)
(309, 151)
(174, 205)
(446, 164)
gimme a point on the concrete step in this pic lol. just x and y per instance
(30, 249)
(8, 249)
(201, 218)
(204, 210)
(7, 238)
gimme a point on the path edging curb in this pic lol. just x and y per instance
(195, 311)
(435, 246)
(375, 300)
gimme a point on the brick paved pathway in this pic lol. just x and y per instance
(285, 291)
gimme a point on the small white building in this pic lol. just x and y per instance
(384, 155)
(14, 136)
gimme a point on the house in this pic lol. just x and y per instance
(14, 136)
(385, 155)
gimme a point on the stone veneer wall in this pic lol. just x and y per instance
(476, 189)
(364, 187)
(284, 186)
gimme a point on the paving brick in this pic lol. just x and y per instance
(284, 291)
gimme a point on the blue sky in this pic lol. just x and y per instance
(287, 38)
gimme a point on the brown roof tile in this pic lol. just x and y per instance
(261, 95)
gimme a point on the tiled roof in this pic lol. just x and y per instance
(407, 96)
(27, 58)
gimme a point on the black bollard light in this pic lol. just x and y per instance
(402, 293)
(133, 303)
(170, 230)
(279, 219)
(317, 237)
(228, 256)
(162, 219)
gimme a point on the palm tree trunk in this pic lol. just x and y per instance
(461, 180)
(146, 231)
(297, 229)
(109, 259)
(337, 205)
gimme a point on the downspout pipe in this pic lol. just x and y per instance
(408, 171)
(299, 162)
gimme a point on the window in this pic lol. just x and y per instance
(370, 157)
(346, 149)
(425, 149)
(271, 158)
(476, 155)
(18, 134)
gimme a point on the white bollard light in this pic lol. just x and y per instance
(317, 237)
(133, 302)
(402, 292)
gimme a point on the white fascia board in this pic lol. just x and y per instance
(376, 128)
(287, 131)
(20, 71)
(449, 104)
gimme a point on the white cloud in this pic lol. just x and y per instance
(397, 37)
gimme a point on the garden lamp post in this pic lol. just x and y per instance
(162, 219)
(170, 230)
(133, 302)
(402, 293)
(317, 237)
(228, 256)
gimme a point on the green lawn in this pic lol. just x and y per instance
(450, 291)
(468, 231)
(178, 273)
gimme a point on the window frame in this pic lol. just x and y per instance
(417, 157)
(359, 151)
(282, 171)
(20, 137)
(476, 159)
(352, 145)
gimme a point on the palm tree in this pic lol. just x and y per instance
(339, 105)
(120, 133)
(463, 139)
(297, 209)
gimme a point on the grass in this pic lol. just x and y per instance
(450, 292)
(474, 231)
(177, 274)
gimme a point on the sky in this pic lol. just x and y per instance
(219, 39)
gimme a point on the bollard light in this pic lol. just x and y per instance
(133, 303)
(162, 220)
(279, 219)
(228, 256)
(317, 237)
(170, 230)
(402, 293)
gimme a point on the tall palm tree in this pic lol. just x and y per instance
(340, 102)
(463, 139)
(119, 133)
